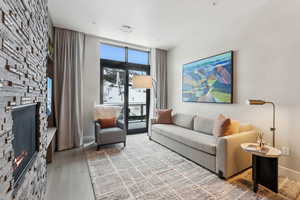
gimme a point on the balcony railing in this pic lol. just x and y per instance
(137, 111)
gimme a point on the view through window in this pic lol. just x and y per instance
(118, 67)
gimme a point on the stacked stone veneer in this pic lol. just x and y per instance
(23, 52)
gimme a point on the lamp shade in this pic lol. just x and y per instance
(255, 102)
(142, 81)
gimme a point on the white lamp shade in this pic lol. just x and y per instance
(142, 82)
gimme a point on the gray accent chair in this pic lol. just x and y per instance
(192, 137)
(113, 135)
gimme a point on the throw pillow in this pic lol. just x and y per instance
(221, 125)
(233, 128)
(108, 122)
(164, 116)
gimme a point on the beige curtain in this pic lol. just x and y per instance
(161, 78)
(68, 94)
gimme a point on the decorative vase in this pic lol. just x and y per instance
(260, 140)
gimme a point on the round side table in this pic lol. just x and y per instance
(264, 166)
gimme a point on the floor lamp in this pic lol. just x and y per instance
(262, 102)
(145, 82)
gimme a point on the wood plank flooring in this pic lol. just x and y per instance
(68, 177)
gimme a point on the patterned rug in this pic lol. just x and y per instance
(145, 170)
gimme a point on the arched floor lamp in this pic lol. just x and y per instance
(146, 82)
(262, 102)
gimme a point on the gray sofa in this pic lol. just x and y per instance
(192, 137)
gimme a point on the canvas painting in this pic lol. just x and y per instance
(209, 80)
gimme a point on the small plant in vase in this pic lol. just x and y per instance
(260, 140)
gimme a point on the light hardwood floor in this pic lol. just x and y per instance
(68, 177)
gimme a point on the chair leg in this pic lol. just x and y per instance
(124, 144)
(98, 147)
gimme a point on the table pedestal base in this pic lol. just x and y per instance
(265, 172)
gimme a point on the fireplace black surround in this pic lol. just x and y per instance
(25, 143)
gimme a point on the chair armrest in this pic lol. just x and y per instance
(97, 124)
(97, 128)
(120, 125)
(231, 158)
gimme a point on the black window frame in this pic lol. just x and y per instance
(126, 66)
(126, 54)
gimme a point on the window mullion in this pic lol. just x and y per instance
(126, 54)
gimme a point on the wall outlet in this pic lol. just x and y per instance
(285, 151)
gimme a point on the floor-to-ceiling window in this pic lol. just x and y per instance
(118, 66)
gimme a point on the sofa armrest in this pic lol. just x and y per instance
(152, 122)
(231, 159)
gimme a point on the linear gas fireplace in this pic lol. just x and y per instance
(25, 143)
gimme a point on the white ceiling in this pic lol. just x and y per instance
(156, 23)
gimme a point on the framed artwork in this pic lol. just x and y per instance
(209, 80)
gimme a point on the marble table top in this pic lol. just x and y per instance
(267, 150)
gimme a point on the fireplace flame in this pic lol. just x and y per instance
(18, 160)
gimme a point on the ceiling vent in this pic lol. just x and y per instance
(126, 29)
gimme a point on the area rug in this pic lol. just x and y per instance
(145, 170)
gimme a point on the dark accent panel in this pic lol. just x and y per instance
(265, 172)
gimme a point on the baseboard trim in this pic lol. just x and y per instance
(88, 139)
(290, 173)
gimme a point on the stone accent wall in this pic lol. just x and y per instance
(23, 56)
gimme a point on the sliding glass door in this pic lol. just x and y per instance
(137, 104)
(113, 89)
(116, 86)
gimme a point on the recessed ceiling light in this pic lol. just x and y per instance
(126, 29)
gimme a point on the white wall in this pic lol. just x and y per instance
(267, 48)
(91, 84)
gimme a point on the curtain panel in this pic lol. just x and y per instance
(68, 87)
(161, 78)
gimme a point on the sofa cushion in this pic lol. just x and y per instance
(111, 135)
(204, 125)
(202, 142)
(183, 120)
(112, 130)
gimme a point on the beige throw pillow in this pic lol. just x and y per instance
(221, 125)
(233, 128)
(164, 116)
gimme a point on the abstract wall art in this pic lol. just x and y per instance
(209, 80)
